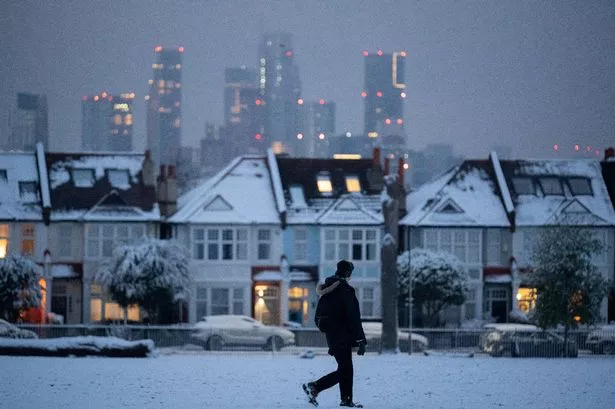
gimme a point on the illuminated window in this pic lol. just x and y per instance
(83, 177)
(526, 299)
(128, 119)
(27, 239)
(323, 181)
(117, 119)
(352, 184)
(4, 240)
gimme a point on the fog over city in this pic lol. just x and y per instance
(523, 74)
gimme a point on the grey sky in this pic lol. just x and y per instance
(480, 73)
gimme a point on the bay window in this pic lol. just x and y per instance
(352, 244)
(219, 244)
(264, 244)
(465, 244)
(103, 238)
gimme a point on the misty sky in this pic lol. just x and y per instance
(480, 73)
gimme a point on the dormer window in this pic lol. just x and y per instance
(118, 178)
(551, 186)
(353, 185)
(523, 186)
(83, 177)
(3, 176)
(323, 181)
(297, 197)
(580, 186)
(28, 192)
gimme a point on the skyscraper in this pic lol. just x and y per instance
(279, 88)
(384, 93)
(28, 123)
(106, 123)
(316, 125)
(164, 119)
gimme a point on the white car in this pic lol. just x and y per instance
(217, 331)
(8, 330)
(602, 340)
(373, 332)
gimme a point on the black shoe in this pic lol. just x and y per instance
(350, 404)
(311, 391)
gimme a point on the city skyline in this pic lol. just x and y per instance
(528, 75)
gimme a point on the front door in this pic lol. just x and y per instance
(59, 305)
(499, 311)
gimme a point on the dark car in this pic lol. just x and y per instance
(602, 340)
(523, 341)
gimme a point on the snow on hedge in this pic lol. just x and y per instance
(86, 345)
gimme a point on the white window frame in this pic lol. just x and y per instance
(340, 243)
(103, 238)
(235, 301)
(300, 244)
(367, 297)
(28, 234)
(211, 242)
(466, 244)
(263, 242)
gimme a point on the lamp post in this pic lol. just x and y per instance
(48, 283)
(410, 284)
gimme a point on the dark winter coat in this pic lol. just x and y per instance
(345, 313)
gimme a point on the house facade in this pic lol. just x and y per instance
(98, 201)
(489, 213)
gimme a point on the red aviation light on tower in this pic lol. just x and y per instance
(181, 49)
(365, 53)
(289, 53)
(158, 49)
(402, 53)
(379, 94)
(258, 102)
(84, 98)
(96, 98)
(380, 53)
(576, 147)
(364, 94)
(322, 101)
(556, 147)
(588, 148)
(300, 101)
(257, 137)
(403, 95)
(400, 121)
(387, 121)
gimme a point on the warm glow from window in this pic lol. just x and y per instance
(324, 184)
(372, 134)
(95, 309)
(117, 119)
(526, 299)
(4, 240)
(346, 156)
(4, 244)
(353, 184)
(295, 292)
(128, 119)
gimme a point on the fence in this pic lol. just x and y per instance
(183, 337)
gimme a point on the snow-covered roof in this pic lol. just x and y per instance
(268, 276)
(242, 193)
(566, 207)
(100, 187)
(466, 195)
(20, 195)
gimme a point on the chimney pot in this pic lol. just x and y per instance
(163, 172)
(386, 166)
(376, 157)
(400, 171)
(609, 153)
(148, 154)
(171, 171)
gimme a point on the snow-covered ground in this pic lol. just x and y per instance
(261, 380)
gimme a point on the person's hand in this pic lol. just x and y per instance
(361, 350)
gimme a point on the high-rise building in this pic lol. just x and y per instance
(164, 119)
(279, 88)
(384, 93)
(28, 123)
(316, 126)
(238, 81)
(107, 122)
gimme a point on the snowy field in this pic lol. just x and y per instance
(259, 380)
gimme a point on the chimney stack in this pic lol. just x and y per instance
(376, 157)
(609, 153)
(386, 166)
(167, 191)
(147, 170)
(400, 171)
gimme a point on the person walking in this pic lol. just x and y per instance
(339, 317)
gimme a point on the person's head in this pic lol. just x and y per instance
(344, 269)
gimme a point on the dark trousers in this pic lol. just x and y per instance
(343, 375)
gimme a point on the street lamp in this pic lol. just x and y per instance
(48, 282)
(410, 284)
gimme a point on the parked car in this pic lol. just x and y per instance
(214, 332)
(373, 333)
(522, 340)
(8, 330)
(602, 340)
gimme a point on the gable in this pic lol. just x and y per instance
(218, 204)
(576, 208)
(347, 204)
(449, 207)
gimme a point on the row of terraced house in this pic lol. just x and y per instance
(266, 229)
